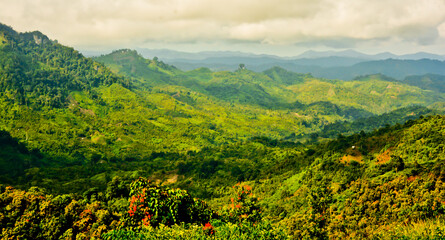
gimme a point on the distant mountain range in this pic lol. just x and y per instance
(167, 54)
(345, 65)
(379, 56)
(395, 68)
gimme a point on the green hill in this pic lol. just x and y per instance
(359, 185)
(280, 89)
(374, 94)
(38, 72)
(371, 123)
(130, 63)
(55, 100)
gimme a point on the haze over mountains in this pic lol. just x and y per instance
(345, 65)
(167, 54)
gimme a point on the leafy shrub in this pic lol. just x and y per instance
(152, 205)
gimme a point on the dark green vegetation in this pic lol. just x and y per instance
(371, 123)
(394, 68)
(428, 81)
(274, 155)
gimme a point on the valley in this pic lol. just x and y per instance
(119, 146)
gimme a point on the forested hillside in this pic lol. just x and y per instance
(432, 82)
(386, 184)
(123, 147)
(278, 88)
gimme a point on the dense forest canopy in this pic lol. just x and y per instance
(123, 147)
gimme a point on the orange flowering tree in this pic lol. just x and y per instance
(154, 205)
(208, 229)
(243, 206)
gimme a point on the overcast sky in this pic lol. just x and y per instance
(281, 27)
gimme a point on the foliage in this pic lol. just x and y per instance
(431, 82)
(344, 192)
(152, 205)
(243, 207)
(371, 123)
(36, 71)
(35, 215)
(222, 231)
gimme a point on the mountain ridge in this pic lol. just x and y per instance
(169, 54)
(344, 65)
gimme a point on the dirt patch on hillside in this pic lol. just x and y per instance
(87, 112)
(165, 179)
(172, 179)
(346, 159)
(384, 157)
(352, 154)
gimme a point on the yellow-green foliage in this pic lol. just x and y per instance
(374, 95)
(35, 215)
(423, 142)
(3, 40)
(423, 229)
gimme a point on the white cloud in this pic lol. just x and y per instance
(266, 22)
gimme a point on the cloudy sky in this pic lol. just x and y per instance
(281, 27)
